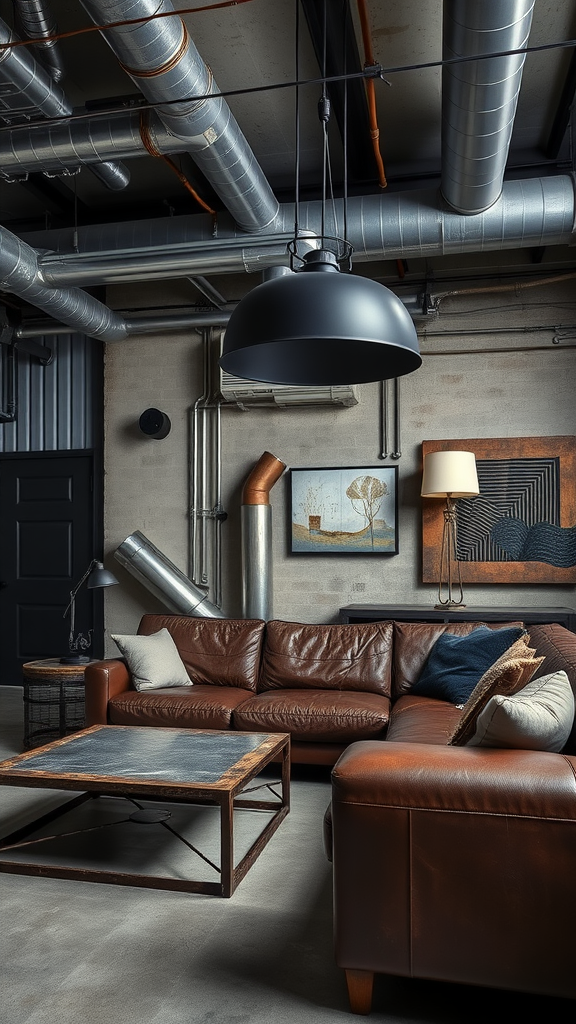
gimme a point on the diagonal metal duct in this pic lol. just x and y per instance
(41, 93)
(35, 22)
(479, 98)
(20, 275)
(163, 62)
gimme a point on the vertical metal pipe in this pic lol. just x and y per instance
(256, 527)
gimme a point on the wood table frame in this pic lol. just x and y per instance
(225, 793)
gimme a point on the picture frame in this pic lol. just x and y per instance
(349, 510)
(527, 485)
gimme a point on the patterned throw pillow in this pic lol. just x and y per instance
(506, 676)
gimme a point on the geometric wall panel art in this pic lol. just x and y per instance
(521, 528)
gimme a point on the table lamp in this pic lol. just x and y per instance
(449, 475)
(95, 576)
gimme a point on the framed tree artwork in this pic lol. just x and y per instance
(344, 511)
(521, 527)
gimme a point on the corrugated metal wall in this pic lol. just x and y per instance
(55, 403)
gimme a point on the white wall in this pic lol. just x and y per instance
(477, 394)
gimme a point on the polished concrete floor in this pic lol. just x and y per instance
(83, 953)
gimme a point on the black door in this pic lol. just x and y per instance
(47, 540)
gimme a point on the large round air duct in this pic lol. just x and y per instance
(163, 579)
(256, 525)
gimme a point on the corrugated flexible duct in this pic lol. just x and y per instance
(38, 89)
(165, 65)
(479, 98)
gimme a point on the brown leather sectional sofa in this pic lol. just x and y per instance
(450, 863)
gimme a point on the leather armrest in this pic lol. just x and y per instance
(103, 680)
(446, 856)
(468, 779)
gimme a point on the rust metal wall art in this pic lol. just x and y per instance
(521, 528)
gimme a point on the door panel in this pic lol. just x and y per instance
(46, 544)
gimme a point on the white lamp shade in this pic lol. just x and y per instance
(452, 473)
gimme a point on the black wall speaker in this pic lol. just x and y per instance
(154, 424)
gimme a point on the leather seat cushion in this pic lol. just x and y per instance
(182, 707)
(308, 715)
(422, 720)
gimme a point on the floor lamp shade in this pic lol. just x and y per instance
(320, 327)
(450, 473)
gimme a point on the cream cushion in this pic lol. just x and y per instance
(538, 717)
(153, 660)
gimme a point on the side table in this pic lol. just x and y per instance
(53, 700)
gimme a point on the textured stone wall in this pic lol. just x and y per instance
(525, 392)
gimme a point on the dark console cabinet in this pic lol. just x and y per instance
(427, 613)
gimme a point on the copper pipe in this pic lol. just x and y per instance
(259, 482)
(371, 92)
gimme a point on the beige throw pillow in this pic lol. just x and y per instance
(538, 717)
(153, 660)
(506, 676)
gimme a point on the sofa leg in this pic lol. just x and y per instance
(360, 985)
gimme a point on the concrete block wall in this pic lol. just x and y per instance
(528, 391)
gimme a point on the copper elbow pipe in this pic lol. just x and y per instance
(259, 482)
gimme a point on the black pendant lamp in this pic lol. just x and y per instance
(317, 325)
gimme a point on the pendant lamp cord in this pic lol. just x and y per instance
(297, 128)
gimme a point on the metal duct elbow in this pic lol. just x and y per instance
(163, 579)
(258, 484)
(256, 526)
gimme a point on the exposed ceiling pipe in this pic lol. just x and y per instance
(36, 22)
(163, 62)
(534, 212)
(20, 275)
(178, 321)
(479, 98)
(41, 92)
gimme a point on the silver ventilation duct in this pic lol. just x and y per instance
(479, 98)
(163, 62)
(39, 92)
(534, 212)
(19, 274)
(163, 579)
(35, 22)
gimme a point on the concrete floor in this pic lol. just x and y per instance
(84, 953)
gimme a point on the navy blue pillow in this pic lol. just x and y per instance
(457, 663)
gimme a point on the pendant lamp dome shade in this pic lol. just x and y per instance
(320, 327)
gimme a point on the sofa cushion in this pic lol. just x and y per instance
(457, 663)
(220, 652)
(507, 675)
(191, 707)
(537, 717)
(413, 642)
(338, 716)
(327, 657)
(153, 660)
(422, 720)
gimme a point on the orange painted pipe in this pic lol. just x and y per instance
(259, 482)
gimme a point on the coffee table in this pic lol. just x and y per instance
(175, 766)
